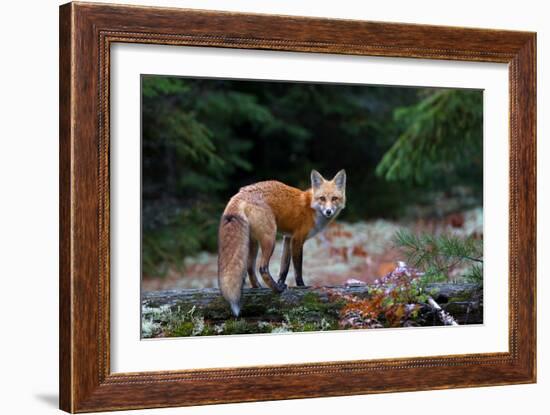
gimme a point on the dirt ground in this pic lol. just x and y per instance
(361, 250)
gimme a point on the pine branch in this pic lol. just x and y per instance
(439, 255)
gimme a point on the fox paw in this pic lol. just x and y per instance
(281, 286)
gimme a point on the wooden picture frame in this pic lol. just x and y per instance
(86, 33)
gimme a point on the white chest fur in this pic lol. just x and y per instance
(321, 221)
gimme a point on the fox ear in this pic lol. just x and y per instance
(316, 179)
(340, 179)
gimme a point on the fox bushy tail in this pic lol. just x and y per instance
(233, 243)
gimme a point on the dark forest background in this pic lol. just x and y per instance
(202, 139)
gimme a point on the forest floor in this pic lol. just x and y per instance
(362, 250)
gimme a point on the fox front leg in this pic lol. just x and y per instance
(285, 260)
(297, 247)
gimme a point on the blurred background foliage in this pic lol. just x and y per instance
(202, 139)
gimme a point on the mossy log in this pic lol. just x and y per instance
(308, 305)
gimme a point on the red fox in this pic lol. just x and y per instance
(252, 218)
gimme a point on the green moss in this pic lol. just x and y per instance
(184, 329)
(312, 306)
(309, 327)
(217, 310)
(318, 318)
(242, 326)
(208, 330)
(311, 301)
(462, 296)
(235, 327)
(253, 310)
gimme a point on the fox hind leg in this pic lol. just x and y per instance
(267, 251)
(264, 230)
(251, 263)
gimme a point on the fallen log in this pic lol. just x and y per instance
(203, 296)
(464, 302)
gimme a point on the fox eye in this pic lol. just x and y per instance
(323, 199)
(334, 198)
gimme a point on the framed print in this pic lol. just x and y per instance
(297, 207)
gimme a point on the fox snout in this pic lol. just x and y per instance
(328, 212)
(329, 209)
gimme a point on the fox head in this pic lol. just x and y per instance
(329, 196)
